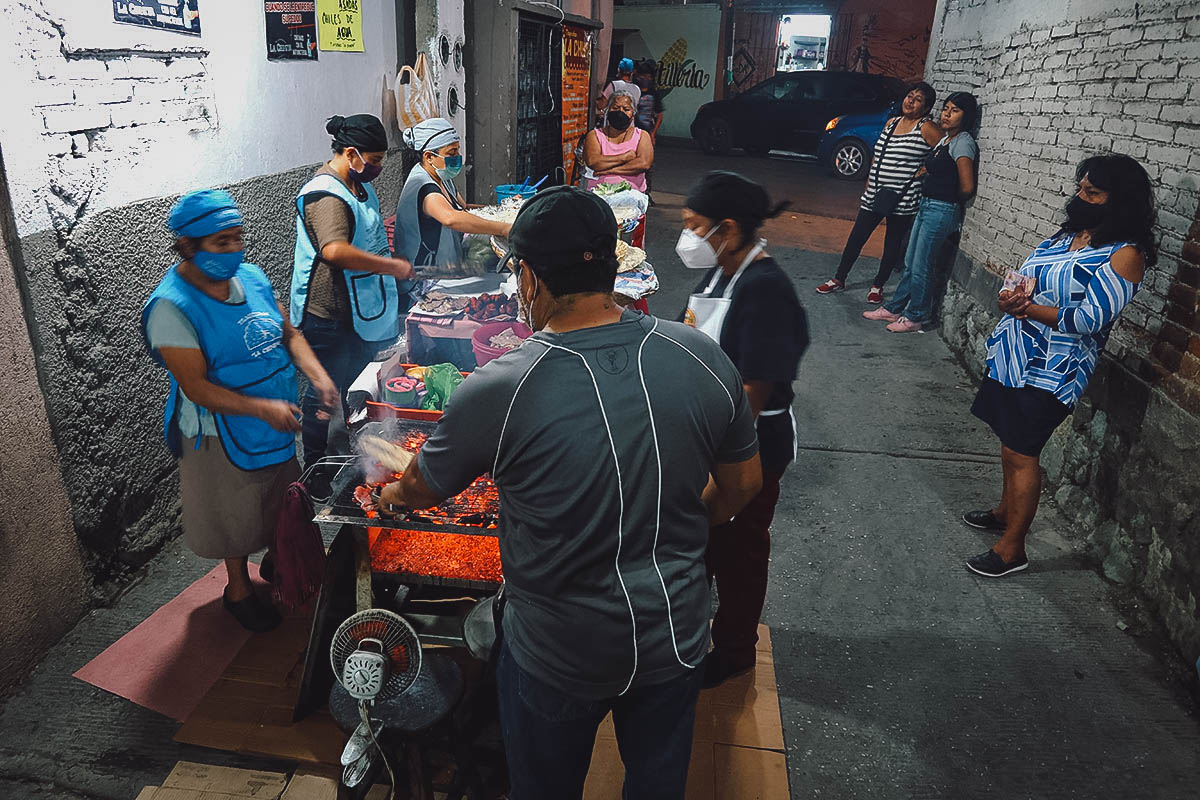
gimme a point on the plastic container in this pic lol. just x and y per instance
(480, 340)
(507, 190)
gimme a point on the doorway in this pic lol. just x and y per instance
(539, 101)
(803, 42)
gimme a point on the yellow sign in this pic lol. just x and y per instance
(339, 25)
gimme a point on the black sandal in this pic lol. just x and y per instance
(252, 614)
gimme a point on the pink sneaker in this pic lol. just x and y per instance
(881, 315)
(904, 325)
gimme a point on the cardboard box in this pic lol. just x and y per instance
(204, 779)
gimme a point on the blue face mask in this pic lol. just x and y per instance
(218, 266)
(454, 165)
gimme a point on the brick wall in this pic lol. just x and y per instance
(1053, 92)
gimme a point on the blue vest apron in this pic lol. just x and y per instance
(243, 345)
(374, 299)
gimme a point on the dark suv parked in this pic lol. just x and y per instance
(790, 110)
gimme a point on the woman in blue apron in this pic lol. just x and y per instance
(748, 305)
(431, 216)
(344, 294)
(230, 417)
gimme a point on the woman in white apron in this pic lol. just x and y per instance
(748, 305)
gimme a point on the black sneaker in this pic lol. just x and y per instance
(984, 520)
(253, 614)
(266, 567)
(991, 565)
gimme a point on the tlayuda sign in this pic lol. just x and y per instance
(683, 40)
(677, 71)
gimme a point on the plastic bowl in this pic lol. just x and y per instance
(484, 352)
(507, 190)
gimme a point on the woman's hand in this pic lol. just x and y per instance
(1014, 303)
(280, 415)
(327, 394)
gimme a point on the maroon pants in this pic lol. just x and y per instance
(737, 558)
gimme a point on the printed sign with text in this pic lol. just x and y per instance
(291, 29)
(181, 16)
(339, 25)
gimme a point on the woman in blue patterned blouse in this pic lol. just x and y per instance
(1045, 349)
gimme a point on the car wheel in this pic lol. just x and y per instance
(850, 159)
(715, 137)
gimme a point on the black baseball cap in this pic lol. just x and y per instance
(559, 226)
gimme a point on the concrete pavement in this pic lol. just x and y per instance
(901, 675)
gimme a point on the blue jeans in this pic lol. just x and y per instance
(344, 356)
(549, 735)
(913, 298)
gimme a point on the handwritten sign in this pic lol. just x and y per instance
(181, 16)
(339, 25)
(576, 72)
(291, 29)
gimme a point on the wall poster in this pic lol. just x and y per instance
(291, 30)
(181, 16)
(339, 25)
(576, 85)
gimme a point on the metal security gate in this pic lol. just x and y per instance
(539, 101)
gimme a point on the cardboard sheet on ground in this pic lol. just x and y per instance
(737, 747)
(172, 658)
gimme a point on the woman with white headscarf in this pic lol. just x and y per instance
(431, 216)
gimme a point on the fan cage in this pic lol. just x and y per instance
(400, 645)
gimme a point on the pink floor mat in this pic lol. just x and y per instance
(170, 661)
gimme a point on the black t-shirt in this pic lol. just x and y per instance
(431, 229)
(765, 334)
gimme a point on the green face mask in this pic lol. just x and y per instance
(454, 165)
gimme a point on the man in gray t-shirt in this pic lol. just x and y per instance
(601, 432)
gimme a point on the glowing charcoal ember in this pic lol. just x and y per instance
(442, 555)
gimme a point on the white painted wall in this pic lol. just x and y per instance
(210, 119)
(681, 39)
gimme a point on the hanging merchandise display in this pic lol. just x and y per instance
(416, 100)
(181, 16)
(576, 72)
(291, 30)
(339, 25)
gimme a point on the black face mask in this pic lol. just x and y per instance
(617, 120)
(1085, 216)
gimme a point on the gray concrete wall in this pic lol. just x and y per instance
(1058, 82)
(42, 585)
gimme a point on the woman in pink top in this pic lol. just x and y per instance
(619, 151)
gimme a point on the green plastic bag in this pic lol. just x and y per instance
(440, 382)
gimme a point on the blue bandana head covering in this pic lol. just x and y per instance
(625, 65)
(431, 134)
(203, 213)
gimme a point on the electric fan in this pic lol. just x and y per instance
(375, 655)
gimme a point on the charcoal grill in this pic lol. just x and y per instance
(397, 560)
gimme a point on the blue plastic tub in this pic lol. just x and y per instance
(507, 190)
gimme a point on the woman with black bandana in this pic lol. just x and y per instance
(344, 296)
(749, 306)
(431, 216)
(1042, 353)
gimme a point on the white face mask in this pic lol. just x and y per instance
(525, 312)
(694, 250)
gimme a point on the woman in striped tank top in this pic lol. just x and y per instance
(1044, 350)
(892, 192)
